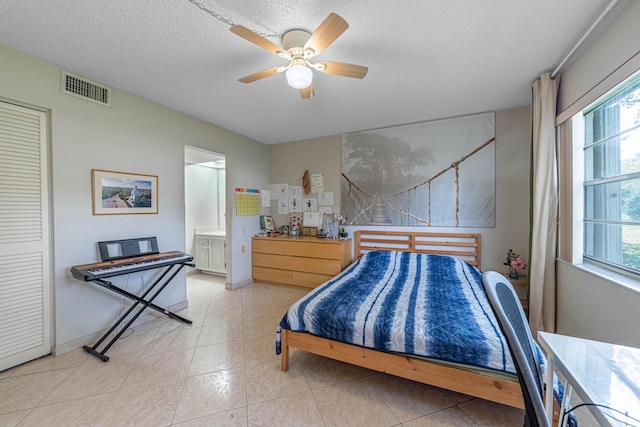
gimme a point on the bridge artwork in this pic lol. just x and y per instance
(427, 174)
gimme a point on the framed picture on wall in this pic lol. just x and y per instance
(122, 193)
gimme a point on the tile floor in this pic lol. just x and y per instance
(222, 371)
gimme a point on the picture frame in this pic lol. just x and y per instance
(123, 193)
(310, 231)
(311, 219)
(331, 225)
(266, 223)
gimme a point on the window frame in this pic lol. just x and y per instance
(579, 157)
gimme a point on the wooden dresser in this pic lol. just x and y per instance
(299, 261)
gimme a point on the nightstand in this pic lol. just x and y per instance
(520, 286)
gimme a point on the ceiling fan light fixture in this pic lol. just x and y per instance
(299, 47)
(299, 76)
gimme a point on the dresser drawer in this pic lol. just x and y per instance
(272, 275)
(282, 262)
(328, 267)
(317, 250)
(272, 247)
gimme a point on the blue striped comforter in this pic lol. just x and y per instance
(419, 304)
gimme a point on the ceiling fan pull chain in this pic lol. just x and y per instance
(228, 21)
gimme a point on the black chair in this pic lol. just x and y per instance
(515, 327)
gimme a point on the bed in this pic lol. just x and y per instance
(382, 257)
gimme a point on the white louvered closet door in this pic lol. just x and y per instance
(25, 305)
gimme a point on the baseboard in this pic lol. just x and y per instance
(237, 285)
(146, 316)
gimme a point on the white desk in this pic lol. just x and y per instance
(601, 373)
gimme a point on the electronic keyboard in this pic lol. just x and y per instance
(100, 270)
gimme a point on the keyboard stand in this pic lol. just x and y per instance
(140, 303)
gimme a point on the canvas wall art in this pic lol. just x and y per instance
(439, 173)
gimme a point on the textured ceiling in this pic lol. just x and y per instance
(427, 59)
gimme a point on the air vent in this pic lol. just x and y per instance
(85, 89)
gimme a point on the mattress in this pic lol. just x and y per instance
(424, 305)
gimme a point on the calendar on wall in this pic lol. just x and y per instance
(247, 202)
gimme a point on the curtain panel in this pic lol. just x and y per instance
(544, 215)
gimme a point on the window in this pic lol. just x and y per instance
(612, 179)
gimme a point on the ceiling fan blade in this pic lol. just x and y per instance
(326, 33)
(343, 69)
(260, 75)
(254, 38)
(307, 92)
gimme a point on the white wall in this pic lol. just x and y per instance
(613, 54)
(592, 307)
(290, 160)
(513, 136)
(588, 305)
(135, 136)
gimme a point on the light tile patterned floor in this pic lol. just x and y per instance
(222, 371)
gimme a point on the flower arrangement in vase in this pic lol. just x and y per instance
(295, 224)
(342, 220)
(515, 264)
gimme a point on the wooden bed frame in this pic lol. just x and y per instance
(464, 246)
(467, 247)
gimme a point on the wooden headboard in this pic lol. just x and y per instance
(465, 246)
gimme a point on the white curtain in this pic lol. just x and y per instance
(544, 217)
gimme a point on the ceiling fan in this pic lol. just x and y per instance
(299, 47)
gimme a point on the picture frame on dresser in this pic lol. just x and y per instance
(310, 231)
(266, 223)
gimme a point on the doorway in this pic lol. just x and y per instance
(205, 209)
